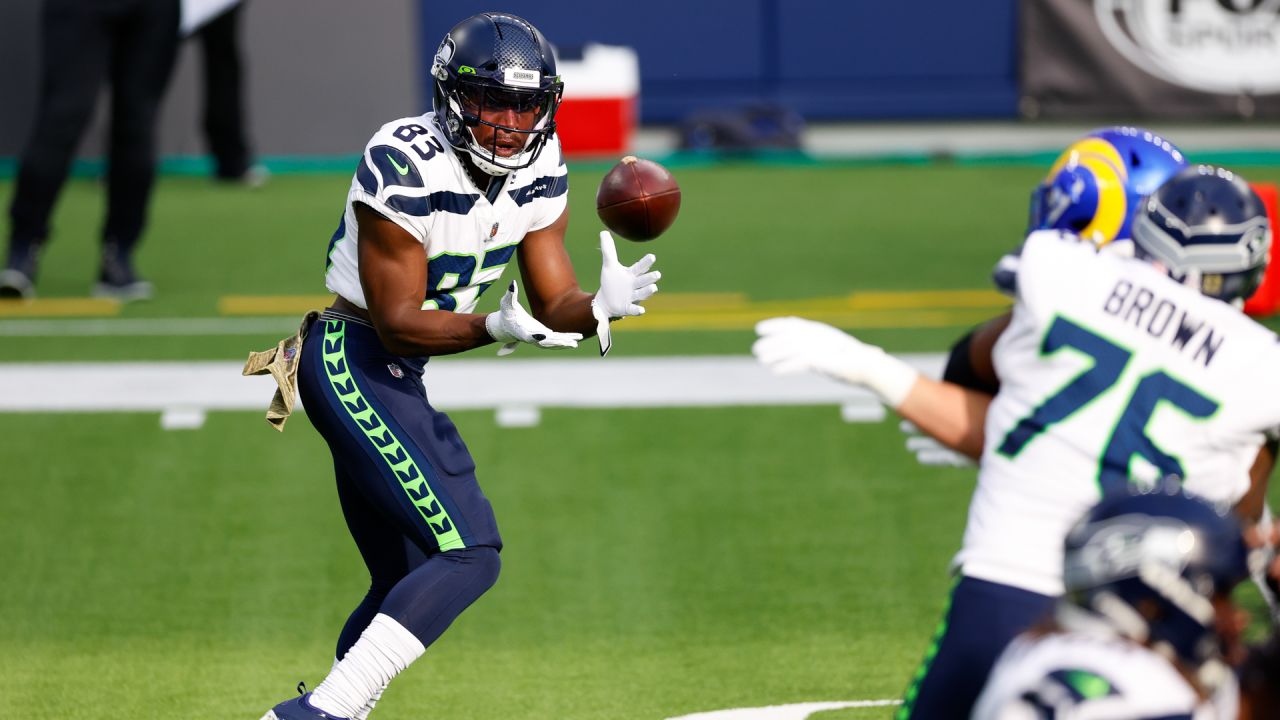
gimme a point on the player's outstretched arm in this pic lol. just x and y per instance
(969, 364)
(954, 416)
(951, 414)
(555, 298)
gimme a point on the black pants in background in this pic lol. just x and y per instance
(224, 94)
(129, 44)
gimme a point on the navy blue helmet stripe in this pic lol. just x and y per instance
(443, 201)
(546, 186)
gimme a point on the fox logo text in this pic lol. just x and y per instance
(1220, 46)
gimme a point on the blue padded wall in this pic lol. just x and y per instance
(829, 60)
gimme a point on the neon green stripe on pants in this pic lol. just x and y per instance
(411, 477)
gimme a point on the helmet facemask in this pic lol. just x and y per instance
(530, 112)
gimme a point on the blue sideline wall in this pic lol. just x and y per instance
(827, 59)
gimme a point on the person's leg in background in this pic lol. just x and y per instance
(224, 104)
(141, 64)
(76, 42)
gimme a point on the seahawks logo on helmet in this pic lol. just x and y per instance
(1162, 549)
(443, 56)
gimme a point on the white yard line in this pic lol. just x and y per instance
(798, 711)
(517, 388)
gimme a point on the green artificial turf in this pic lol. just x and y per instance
(657, 562)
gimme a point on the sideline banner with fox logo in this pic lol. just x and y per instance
(1191, 59)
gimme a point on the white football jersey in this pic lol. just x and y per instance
(1109, 371)
(1078, 676)
(410, 175)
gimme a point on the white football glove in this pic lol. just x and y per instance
(622, 289)
(929, 451)
(511, 324)
(790, 345)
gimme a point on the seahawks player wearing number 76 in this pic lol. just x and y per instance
(1112, 371)
(439, 204)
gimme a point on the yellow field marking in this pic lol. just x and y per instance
(298, 304)
(272, 304)
(734, 311)
(746, 319)
(59, 307)
(928, 298)
(696, 301)
(860, 301)
(888, 309)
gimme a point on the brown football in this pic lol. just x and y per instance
(638, 199)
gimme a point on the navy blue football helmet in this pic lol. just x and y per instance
(1150, 564)
(495, 61)
(1207, 228)
(1096, 185)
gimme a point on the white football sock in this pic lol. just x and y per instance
(368, 708)
(384, 649)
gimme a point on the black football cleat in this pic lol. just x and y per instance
(117, 279)
(18, 279)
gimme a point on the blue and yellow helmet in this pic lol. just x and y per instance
(1095, 185)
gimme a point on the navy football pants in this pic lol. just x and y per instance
(405, 479)
(981, 619)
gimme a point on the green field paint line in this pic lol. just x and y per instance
(200, 166)
(1044, 158)
(412, 479)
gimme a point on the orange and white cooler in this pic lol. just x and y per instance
(601, 101)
